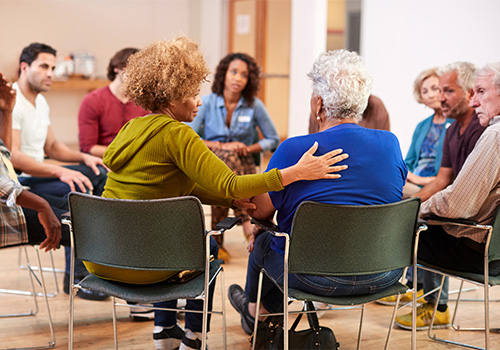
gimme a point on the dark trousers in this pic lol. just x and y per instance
(438, 248)
(194, 321)
(55, 187)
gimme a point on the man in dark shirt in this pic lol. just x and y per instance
(456, 82)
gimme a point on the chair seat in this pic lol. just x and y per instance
(471, 276)
(349, 299)
(143, 293)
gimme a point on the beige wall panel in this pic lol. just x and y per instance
(278, 37)
(336, 14)
(277, 62)
(101, 27)
(244, 27)
(276, 97)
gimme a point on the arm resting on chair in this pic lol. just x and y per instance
(438, 220)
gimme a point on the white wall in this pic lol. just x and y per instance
(399, 39)
(308, 40)
(103, 27)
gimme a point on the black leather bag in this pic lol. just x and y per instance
(270, 334)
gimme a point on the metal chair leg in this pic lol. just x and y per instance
(115, 332)
(41, 282)
(224, 328)
(45, 269)
(393, 318)
(26, 293)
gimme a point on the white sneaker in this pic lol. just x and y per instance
(141, 314)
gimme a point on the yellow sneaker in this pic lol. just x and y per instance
(405, 298)
(424, 316)
(224, 255)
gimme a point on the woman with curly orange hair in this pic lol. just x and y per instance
(159, 156)
(228, 121)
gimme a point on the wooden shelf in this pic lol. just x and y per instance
(79, 84)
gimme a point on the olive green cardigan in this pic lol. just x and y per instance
(158, 157)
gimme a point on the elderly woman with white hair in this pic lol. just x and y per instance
(376, 174)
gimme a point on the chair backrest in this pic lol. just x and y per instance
(159, 234)
(331, 239)
(494, 250)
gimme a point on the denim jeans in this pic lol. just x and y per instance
(55, 187)
(194, 321)
(272, 261)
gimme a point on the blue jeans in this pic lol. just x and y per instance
(272, 261)
(194, 321)
(55, 187)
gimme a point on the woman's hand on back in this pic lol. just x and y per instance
(310, 167)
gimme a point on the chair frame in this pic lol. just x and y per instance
(272, 229)
(41, 281)
(208, 280)
(445, 272)
(52, 269)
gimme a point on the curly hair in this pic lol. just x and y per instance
(164, 72)
(417, 85)
(253, 83)
(119, 61)
(343, 82)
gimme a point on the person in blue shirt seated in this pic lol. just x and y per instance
(424, 156)
(227, 122)
(376, 174)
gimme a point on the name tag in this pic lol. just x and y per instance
(244, 118)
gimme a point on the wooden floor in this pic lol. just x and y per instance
(93, 325)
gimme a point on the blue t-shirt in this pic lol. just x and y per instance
(376, 173)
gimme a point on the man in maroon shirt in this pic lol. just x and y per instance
(456, 82)
(104, 111)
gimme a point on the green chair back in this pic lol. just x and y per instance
(494, 251)
(160, 234)
(331, 239)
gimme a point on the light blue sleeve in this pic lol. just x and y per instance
(271, 139)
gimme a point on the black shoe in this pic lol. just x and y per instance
(194, 344)
(169, 338)
(239, 300)
(83, 293)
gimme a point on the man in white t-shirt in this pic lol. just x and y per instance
(33, 138)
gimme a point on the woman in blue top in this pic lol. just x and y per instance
(424, 156)
(341, 86)
(228, 120)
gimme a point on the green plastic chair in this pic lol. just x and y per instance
(355, 240)
(491, 253)
(147, 235)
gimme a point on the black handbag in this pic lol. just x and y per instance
(270, 334)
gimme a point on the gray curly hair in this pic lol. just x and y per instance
(466, 72)
(341, 79)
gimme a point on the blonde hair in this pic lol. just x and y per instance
(417, 85)
(164, 72)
